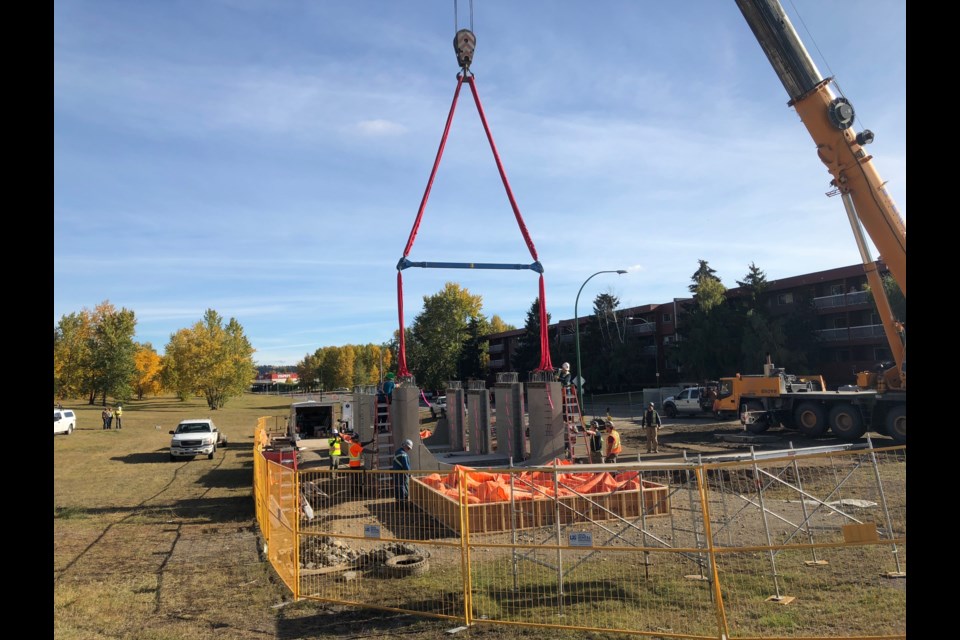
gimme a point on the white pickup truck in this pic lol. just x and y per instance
(196, 437)
(689, 402)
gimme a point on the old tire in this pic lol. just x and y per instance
(403, 566)
(846, 422)
(670, 410)
(896, 423)
(811, 419)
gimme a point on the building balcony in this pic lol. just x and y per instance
(642, 329)
(842, 300)
(844, 334)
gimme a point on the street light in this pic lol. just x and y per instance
(576, 324)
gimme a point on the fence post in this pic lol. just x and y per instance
(717, 592)
(465, 548)
(556, 518)
(766, 524)
(886, 512)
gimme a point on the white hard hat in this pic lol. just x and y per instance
(566, 365)
(407, 443)
(335, 432)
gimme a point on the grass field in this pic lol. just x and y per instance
(149, 549)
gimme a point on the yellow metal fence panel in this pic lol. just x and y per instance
(798, 545)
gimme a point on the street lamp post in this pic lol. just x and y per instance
(576, 335)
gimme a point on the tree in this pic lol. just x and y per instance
(175, 374)
(474, 355)
(753, 285)
(71, 355)
(148, 366)
(497, 325)
(344, 359)
(211, 359)
(527, 356)
(308, 371)
(437, 335)
(111, 364)
(898, 302)
(703, 272)
(601, 339)
(709, 335)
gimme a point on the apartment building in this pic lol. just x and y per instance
(848, 329)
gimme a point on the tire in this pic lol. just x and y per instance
(406, 565)
(210, 455)
(811, 419)
(69, 429)
(896, 423)
(670, 410)
(173, 458)
(755, 427)
(846, 422)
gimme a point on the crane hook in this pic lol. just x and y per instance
(464, 43)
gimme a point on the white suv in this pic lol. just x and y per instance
(195, 437)
(64, 421)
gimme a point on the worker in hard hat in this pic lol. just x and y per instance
(613, 446)
(652, 423)
(335, 448)
(564, 374)
(401, 481)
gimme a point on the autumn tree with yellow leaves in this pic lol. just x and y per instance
(93, 354)
(210, 359)
(149, 368)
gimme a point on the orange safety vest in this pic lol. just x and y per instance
(613, 449)
(356, 455)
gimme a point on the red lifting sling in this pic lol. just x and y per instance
(545, 364)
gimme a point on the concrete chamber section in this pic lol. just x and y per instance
(518, 432)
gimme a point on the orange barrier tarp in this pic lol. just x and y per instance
(485, 487)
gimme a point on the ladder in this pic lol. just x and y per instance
(383, 447)
(573, 421)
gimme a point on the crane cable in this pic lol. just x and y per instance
(456, 21)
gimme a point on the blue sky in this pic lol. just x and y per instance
(267, 158)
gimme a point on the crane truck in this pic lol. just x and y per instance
(878, 400)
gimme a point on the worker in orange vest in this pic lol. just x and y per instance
(613, 443)
(355, 453)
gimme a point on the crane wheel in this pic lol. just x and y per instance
(811, 419)
(896, 423)
(846, 422)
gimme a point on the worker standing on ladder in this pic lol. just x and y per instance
(388, 386)
(564, 374)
